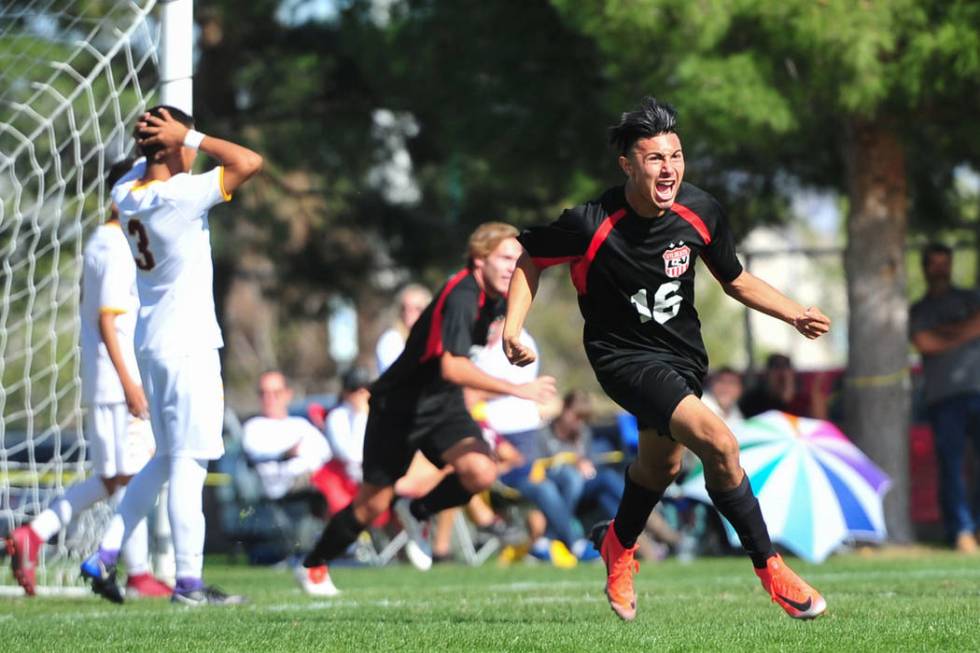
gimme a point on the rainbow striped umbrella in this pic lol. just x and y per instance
(816, 489)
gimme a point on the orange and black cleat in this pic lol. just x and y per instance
(791, 592)
(620, 567)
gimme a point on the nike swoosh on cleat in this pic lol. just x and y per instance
(802, 607)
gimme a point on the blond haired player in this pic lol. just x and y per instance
(417, 404)
(164, 213)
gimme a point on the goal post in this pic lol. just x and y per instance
(176, 54)
(74, 76)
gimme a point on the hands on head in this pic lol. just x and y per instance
(162, 130)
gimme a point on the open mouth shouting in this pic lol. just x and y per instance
(665, 190)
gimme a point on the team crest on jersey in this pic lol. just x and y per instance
(677, 259)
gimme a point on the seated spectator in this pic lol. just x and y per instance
(345, 424)
(285, 451)
(568, 442)
(723, 392)
(518, 422)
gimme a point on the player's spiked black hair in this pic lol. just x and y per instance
(652, 117)
(118, 169)
(934, 248)
(150, 151)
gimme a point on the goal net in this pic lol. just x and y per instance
(73, 76)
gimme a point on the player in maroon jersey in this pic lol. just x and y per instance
(631, 254)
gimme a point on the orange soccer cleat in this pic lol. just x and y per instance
(620, 567)
(791, 592)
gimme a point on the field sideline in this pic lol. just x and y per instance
(922, 602)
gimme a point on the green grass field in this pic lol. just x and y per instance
(900, 602)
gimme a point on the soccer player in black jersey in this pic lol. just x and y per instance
(632, 253)
(417, 404)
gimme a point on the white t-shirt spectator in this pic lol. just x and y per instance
(509, 414)
(266, 441)
(345, 432)
(390, 347)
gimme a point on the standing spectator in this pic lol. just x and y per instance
(945, 328)
(723, 394)
(412, 300)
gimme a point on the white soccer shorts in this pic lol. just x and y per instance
(187, 404)
(119, 443)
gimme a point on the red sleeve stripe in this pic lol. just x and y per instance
(433, 344)
(542, 262)
(580, 268)
(694, 219)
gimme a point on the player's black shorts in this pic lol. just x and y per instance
(645, 386)
(397, 428)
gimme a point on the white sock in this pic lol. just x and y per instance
(140, 495)
(186, 500)
(135, 549)
(164, 563)
(76, 498)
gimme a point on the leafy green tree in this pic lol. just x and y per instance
(875, 100)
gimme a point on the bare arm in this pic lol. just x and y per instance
(523, 287)
(946, 337)
(135, 399)
(759, 295)
(460, 370)
(240, 163)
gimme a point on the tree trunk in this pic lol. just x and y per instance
(877, 394)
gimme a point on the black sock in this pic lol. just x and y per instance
(634, 510)
(342, 531)
(448, 494)
(740, 507)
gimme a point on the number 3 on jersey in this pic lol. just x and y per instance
(145, 260)
(666, 303)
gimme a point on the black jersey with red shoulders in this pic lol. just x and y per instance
(456, 320)
(635, 275)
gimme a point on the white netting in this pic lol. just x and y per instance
(73, 75)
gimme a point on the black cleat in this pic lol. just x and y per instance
(102, 578)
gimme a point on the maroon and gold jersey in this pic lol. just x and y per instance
(635, 275)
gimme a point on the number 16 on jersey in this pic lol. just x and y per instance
(666, 303)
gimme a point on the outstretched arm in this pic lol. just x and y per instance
(523, 287)
(239, 162)
(464, 372)
(759, 295)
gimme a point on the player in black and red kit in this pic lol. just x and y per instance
(417, 404)
(632, 254)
